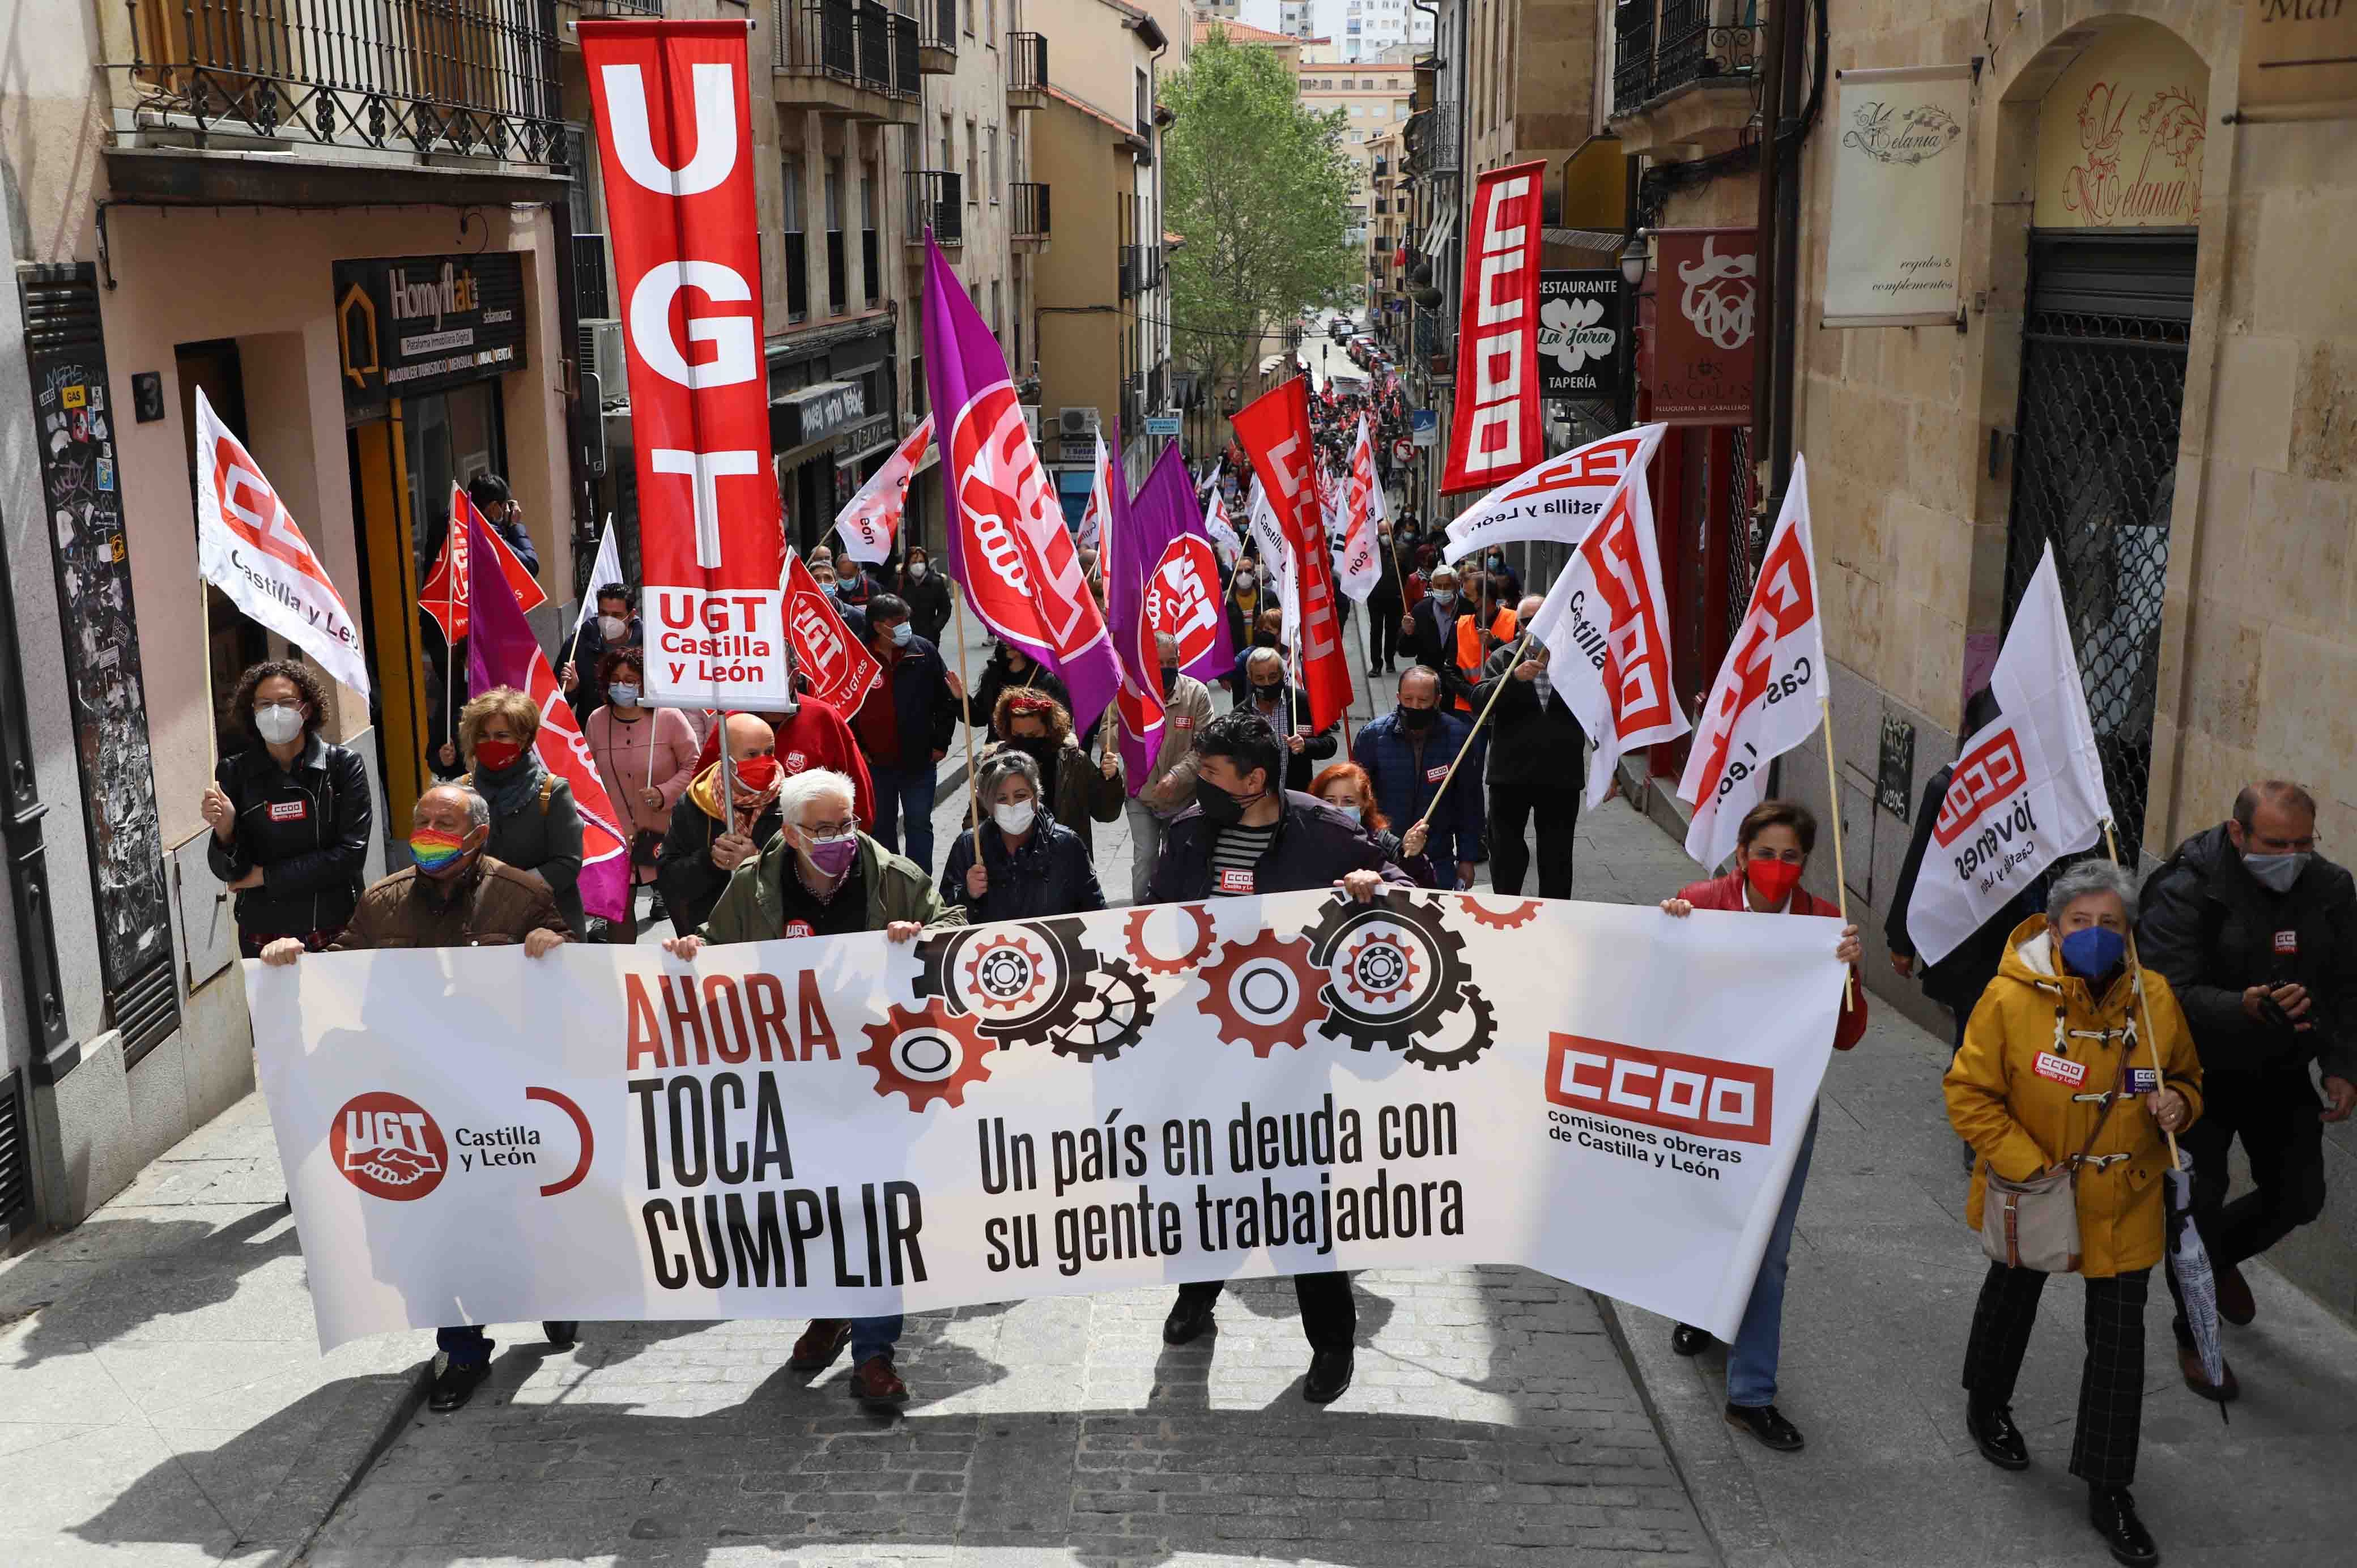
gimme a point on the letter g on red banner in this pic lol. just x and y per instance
(674, 129)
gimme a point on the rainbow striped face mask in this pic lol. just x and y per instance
(435, 851)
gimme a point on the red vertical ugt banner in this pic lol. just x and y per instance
(1497, 432)
(1274, 430)
(675, 130)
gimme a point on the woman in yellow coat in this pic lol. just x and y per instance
(2046, 1058)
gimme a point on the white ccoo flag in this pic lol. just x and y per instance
(1771, 692)
(1358, 568)
(606, 567)
(2029, 787)
(1558, 500)
(1608, 636)
(248, 546)
(1222, 533)
(1099, 511)
(871, 525)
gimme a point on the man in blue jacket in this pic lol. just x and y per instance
(1407, 753)
(904, 726)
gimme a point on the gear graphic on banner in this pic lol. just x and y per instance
(1005, 973)
(1264, 994)
(1391, 971)
(1021, 981)
(1521, 913)
(926, 1054)
(1134, 931)
(1110, 1019)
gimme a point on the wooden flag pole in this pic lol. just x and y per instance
(1522, 645)
(2144, 1009)
(965, 712)
(1841, 871)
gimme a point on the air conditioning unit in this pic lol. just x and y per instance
(1075, 424)
(605, 358)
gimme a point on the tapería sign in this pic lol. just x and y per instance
(1254, 1086)
(675, 134)
(1499, 430)
(1705, 325)
(406, 325)
(1899, 197)
(1582, 347)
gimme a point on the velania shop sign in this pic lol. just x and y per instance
(815, 413)
(406, 325)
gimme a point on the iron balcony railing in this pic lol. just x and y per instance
(936, 201)
(423, 76)
(1030, 217)
(818, 38)
(937, 25)
(621, 8)
(1434, 147)
(592, 301)
(1141, 270)
(906, 73)
(1662, 45)
(1027, 62)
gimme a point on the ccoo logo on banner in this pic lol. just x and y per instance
(1131, 1098)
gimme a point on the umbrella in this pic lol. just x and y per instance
(2196, 1283)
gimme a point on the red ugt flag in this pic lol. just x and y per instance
(1274, 429)
(447, 588)
(837, 665)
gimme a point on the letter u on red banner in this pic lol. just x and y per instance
(674, 129)
(1497, 432)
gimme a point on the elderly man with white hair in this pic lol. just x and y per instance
(821, 877)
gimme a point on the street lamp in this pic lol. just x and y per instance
(1634, 258)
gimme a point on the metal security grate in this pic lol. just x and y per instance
(1747, 540)
(2095, 475)
(15, 1159)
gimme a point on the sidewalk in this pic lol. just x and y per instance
(162, 1400)
(1884, 1277)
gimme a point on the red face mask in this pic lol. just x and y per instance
(757, 773)
(1774, 880)
(496, 756)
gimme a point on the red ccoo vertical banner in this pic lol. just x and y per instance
(1498, 431)
(1274, 430)
(674, 127)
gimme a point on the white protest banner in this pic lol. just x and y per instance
(249, 547)
(2028, 787)
(871, 525)
(1090, 532)
(1606, 627)
(1558, 500)
(1358, 568)
(1771, 692)
(839, 1126)
(1899, 197)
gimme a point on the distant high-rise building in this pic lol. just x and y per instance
(1368, 27)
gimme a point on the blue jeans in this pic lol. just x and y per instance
(904, 791)
(873, 1337)
(1751, 1359)
(466, 1347)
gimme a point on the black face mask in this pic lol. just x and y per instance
(1039, 748)
(1169, 678)
(1226, 810)
(1415, 720)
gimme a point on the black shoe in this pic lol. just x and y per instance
(455, 1384)
(562, 1334)
(1330, 1375)
(1187, 1321)
(1688, 1340)
(2000, 1441)
(2113, 1513)
(1764, 1422)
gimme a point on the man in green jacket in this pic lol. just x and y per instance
(821, 877)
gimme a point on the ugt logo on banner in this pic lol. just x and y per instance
(673, 121)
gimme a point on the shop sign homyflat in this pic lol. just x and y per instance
(406, 325)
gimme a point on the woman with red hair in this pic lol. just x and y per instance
(1347, 789)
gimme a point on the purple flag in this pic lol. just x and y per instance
(1125, 565)
(1181, 570)
(503, 651)
(1008, 547)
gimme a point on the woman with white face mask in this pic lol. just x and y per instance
(1022, 864)
(289, 814)
(646, 758)
(927, 593)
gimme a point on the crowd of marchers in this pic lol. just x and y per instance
(2072, 1058)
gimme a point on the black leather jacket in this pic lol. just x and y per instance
(306, 827)
(1314, 847)
(1050, 875)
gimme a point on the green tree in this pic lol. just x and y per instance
(1258, 187)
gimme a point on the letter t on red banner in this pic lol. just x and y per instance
(1274, 430)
